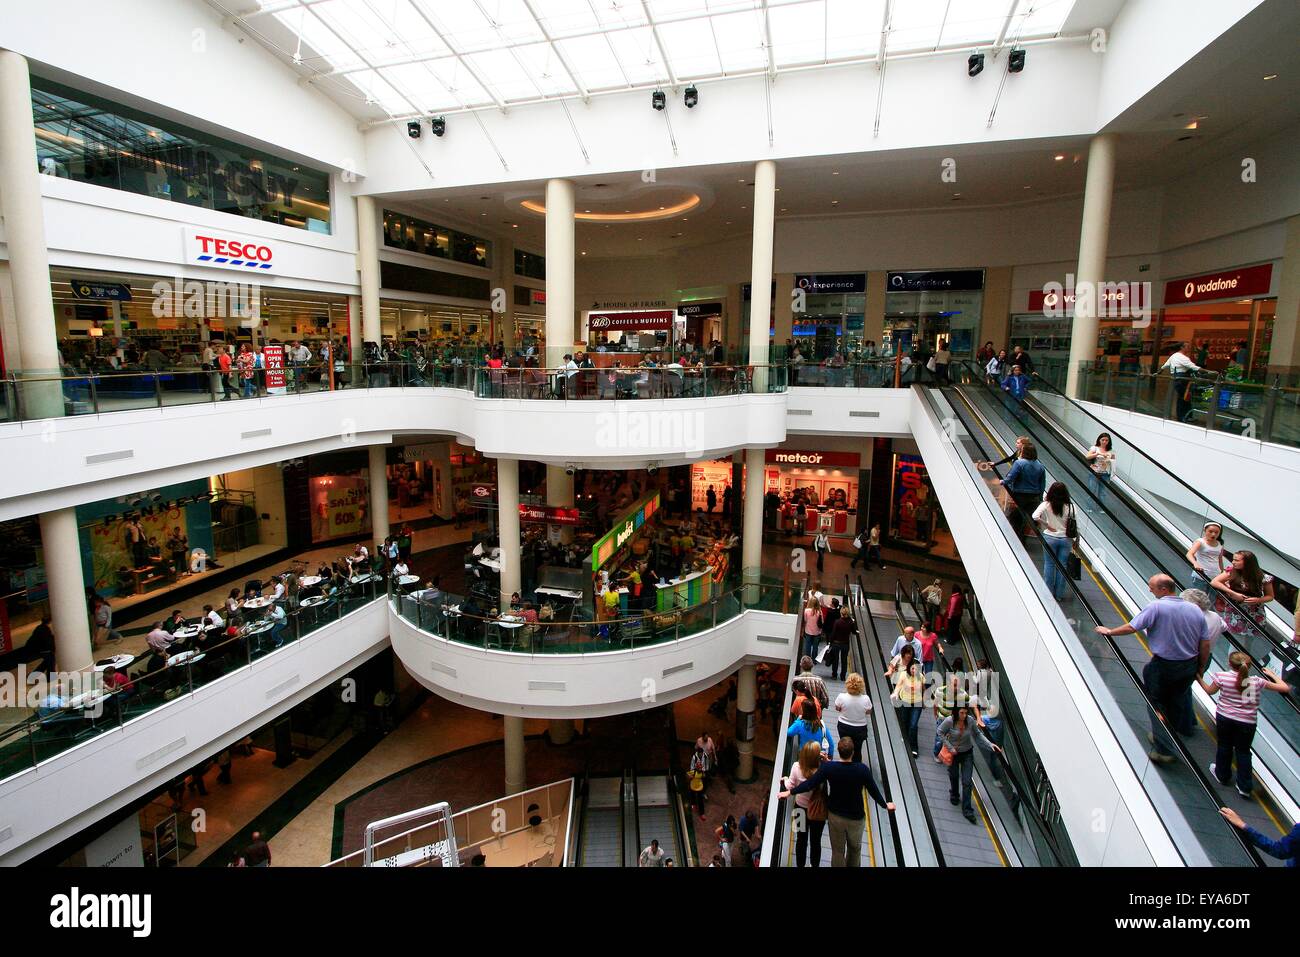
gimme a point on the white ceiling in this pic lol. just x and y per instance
(394, 59)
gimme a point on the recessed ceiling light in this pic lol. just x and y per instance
(835, 172)
(584, 252)
(587, 210)
(1028, 187)
(514, 225)
(1191, 126)
(638, 239)
(1267, 76)
(661, 207)
(1059, 157)
(783, 209)
(728, 222)
(740, 181)
(835, 202)
(778, 189)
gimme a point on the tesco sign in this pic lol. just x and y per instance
(208, 247)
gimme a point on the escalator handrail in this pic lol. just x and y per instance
(859, 608)
(1014, 775)
(1126, 666)
(1279, 647)
(876, 661)
(1214, 506)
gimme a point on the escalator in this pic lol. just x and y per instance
(1129, 544)
(619, 817)
(1170, 811)
(1019, 803)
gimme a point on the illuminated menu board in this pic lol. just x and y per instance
(608, 544)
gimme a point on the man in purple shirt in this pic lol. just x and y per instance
(1179, 639)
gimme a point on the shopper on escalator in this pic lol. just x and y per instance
(845, 809)
(1101, 460)
(1055, 519)
(1025, 484)
(1207, 555)
(959, 733)
(1019, 357)
(812, 805)
(1179, 639)
(1286, 848)
(1251, 589)
(1016, 385)
(908, 695)
(1235, 717)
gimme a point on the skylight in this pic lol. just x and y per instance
(416, 57)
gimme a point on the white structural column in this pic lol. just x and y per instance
(24, 221)
(1093, 239)
(751, 539)
(559, 270)
(559, 494)
(62, 553)
(368, 267)
(354, 329)
(746, 696)
(508, 524)
(760, 291)
(514, 732)
(379, 491)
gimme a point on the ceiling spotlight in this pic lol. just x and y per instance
(1270, 76)
(438, 125)
(975, 64)
(658, 100)
(1059, 157)
(691, 98)
(413, 129)
(1016, 61)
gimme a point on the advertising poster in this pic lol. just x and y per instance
(273, 356)
(914, 501)
(340, 505)
(703, 474)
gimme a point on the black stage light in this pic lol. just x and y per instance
(413, 129)
(439, 125)
(1016, 61)
(658, 100)
(692, 97)
(975, 64)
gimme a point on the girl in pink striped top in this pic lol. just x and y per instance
(1235, 716)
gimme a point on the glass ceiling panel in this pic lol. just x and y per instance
(610, 44)
(740, 40)
(798, 33)
(853, 27)
(974, 21)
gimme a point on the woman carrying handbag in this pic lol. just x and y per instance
(810, 818)
(822, 545)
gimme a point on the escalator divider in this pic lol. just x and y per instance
(775, 830)
(1181, 750)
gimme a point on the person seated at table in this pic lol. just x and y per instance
(177, 620)
(401, 569)
(53, 704)
(233, 602)
(118, 681)
(213, 624)
(325, 570)
(252, 589)
(471, 618)
(159, 638)
(277, 589)
(432, 592)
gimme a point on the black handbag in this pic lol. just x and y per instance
(1071, 527)
(1074, 567)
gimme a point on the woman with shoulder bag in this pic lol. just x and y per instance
(960, 732)
(812, 804)
(1056, 522)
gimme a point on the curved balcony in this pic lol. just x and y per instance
(570, 669)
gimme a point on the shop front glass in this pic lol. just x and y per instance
(440, 326)
(827, 483)
(915, 517)
(415, 235)
(91, 140)
(929, 316)
(833, 320)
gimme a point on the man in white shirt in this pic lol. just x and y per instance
(1181, 367)
(401, 569)
(281, 620)
(652, 856)
(277, 592)
(158, 639)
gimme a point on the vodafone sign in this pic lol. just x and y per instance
(215, 247)
(1230, 284)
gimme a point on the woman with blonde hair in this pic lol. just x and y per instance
(1236, 713)
(811, 804)
(854, 705)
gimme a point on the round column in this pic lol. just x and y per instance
(559, 494)
(354, 329)
(61, 550)
(29, 261)
(514, 732)
(746, 696)
(559, 271)
(751, 539)
(1093, 238)
(368, 267)
(379, 492)
(561, 730)
(760, 291)
(508, 524)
